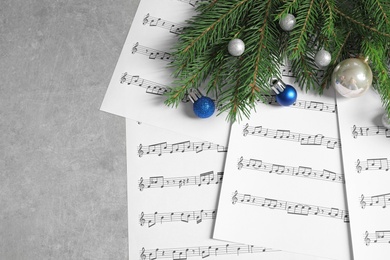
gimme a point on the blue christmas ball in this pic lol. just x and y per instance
(287, 97)
(204, 107)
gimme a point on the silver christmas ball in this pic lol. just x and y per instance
(385, 121)
(236, 47)
(322, 58)
(352, 77)
(288, 22)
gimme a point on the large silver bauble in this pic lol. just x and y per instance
(236, 47)
(352, 77)
(287, 23)
(322, 58)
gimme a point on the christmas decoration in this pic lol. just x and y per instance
(203, 107)
(352, 77)
(236, 47)
(285, 94)
(386, 121)
(287, 23)
(346, 29)
(322, 58)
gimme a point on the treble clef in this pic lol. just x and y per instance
(354, 132)
(358, 167)
(145, 21)
(123, 78)
(239, 165)
(140, 151)
(142, 255)
(141, 219)
(141, 185)
(134, 50)
(234, 198)
(245, 131)
(362, 202)
(367, 239)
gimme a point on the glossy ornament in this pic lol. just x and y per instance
(386, 121)
(236, 47)
(286, 95)
(203, 106)
(322, 58)
(352, 77)
(288, 22)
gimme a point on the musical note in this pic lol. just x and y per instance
(161, 23)
(377, 237)
(187, 146)
(203, 251)
(377, 164)
(292, 207)
(370, 131)
(196, 216)
(200, 180)
(382, 200)
(153, 54)
(287, 135)
(300, 171)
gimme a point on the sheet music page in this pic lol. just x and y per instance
(283, 184)
(366, 155)
(173, 186)
(142, 74)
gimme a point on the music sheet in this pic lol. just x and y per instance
(283, 184)
(142, 74)
(366, 155)
(173, 186)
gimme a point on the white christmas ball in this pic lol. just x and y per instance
(288, 22)
(236, 47)
(322, 58)
(352, 77)
(385, 121)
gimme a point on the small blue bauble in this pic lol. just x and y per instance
(287, 97)
(204, 107)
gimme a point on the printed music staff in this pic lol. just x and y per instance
(377, 164)
(304, 104)
(300, 171)
(381, 200)
(196, 216)
(377, 237)
(186, 146)
(153, 54)
(203, 179)
(287, 135)
(159, 22)
(290, 207)
(370, 131)
(202, 251)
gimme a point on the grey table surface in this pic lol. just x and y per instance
(63, 162)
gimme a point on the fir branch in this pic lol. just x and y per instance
(360, 23)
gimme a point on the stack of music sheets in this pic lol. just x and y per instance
(274, 186)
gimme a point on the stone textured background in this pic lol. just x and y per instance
(63, 164)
